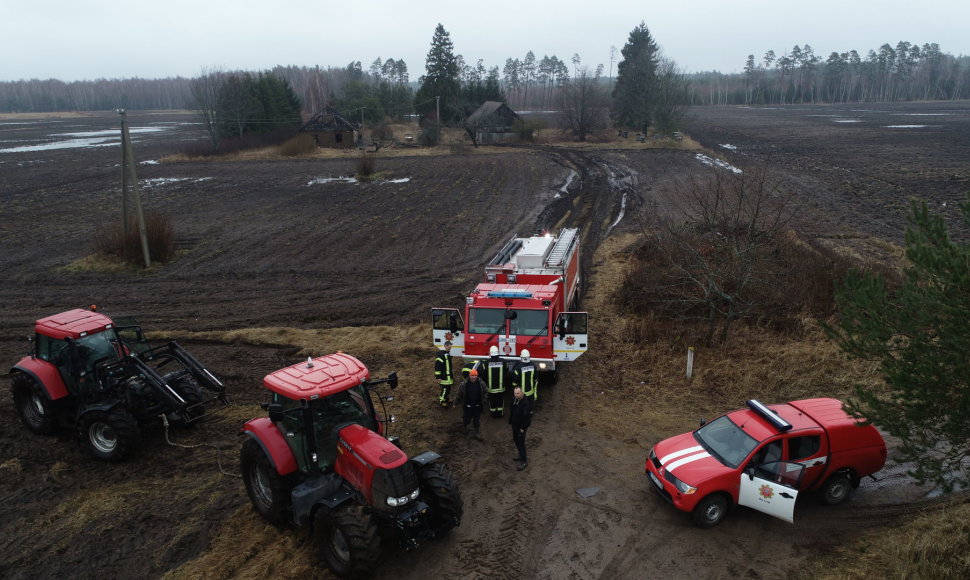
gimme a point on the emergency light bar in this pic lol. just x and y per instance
(772, 417)
(510, 294)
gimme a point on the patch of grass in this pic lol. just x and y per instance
(113, 241)
(934, 544)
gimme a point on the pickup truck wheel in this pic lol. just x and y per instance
(35, 410)
(267, 489)
(836, 489)
(710, 511)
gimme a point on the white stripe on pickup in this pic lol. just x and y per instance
(687, 459)
(676, 454)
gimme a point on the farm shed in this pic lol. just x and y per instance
(492, 123)
(330, 129)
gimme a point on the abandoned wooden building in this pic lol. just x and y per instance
(329, 129)
(492, 123)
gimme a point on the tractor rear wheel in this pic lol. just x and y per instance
(348, 539)
(35, 409)
(110, 435)
(439, 490)
(267, 489)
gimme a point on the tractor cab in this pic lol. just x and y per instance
(312, 426)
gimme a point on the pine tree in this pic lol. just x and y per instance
(636, 81)
(440, 80)
(919, 334)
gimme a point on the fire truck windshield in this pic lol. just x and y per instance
(530, 323)
(486, 321)
(726, 441)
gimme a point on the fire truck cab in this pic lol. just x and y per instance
(522, 303)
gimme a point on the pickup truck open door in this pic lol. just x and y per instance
(772, 488)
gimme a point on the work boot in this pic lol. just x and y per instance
(478, 434)
(522, 465)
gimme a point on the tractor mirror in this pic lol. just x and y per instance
(392, 380)
(275, 412)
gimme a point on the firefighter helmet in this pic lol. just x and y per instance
(525, 355)
(493, 350)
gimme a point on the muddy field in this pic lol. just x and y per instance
(280, 248)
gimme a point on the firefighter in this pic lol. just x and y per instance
(495, 381)
(442, 372)
(524, 376)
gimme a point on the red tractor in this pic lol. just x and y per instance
(321, 459)
(106, 381)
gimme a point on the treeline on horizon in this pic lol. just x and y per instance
(905, 72)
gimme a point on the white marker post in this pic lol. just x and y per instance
(690, 362)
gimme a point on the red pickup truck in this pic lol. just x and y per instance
(763, 456)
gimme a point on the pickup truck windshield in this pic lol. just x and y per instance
(727, 442)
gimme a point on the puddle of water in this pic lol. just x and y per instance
(717, 163)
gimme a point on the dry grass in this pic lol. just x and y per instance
(935, 544)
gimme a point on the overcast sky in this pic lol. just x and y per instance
(90, 39)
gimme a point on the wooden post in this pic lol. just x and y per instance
(126, 144)
(124, 176)
(690, 362)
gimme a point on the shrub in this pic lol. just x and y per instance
(430, 135)
(302, 144)
(365, 166)
(113, 241)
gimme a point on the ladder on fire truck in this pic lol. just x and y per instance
(560, 250)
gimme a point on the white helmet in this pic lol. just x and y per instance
(525, 355)
(493, 351)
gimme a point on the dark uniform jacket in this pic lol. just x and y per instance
(521, 416)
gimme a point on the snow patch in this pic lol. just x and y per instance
(401, 180)
(716, 163)
(905, 126)
(149, 183)
(728, 146)
(326, 180)
(848, 120)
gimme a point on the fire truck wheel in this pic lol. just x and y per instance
(35, 409)
(268, 490)
(836, 489)
(348, 539)
(439, 490)
(108, 435)
(192, 393)
(710, 511)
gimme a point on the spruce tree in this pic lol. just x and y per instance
(919, 334)
(440, 80)
(636, 81)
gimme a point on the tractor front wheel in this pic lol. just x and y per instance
(348, 539)
(108, 435)
(35, 409)
(439, 490)
(267, 489)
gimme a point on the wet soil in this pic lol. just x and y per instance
(265, 244)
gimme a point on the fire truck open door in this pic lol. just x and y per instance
(447, 324)
(571, 335)
(771, 488)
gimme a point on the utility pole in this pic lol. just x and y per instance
(129, 158)
(437, 107)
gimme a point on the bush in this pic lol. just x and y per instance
(113, 241)
(382, 132)
(430, 135)
(241, 143)
(528, 129)
(365, 166)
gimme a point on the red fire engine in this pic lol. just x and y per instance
(522, 304)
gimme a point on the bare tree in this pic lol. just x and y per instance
(670, 106)
(585, 105)
(205, 93)
(718, 246)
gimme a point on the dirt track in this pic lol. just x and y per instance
(267, 247)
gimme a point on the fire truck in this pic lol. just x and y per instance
(524, 302)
